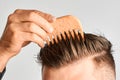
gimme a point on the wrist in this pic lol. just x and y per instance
(4, 58)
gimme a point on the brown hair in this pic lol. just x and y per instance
(71, 49)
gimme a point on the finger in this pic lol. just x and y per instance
(32, 17)
(25, 43)
(31, 27)
(47, 16)
(33, 38)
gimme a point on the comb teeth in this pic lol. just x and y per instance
(63, 36)
(65, 27)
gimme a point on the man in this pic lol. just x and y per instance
(76, 58)
(69, 59)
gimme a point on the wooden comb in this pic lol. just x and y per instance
(65, 24)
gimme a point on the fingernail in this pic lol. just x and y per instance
(48, 38)
(53, 37)
(51, 29)
(42, 46)
(53, 19)
(45, 43)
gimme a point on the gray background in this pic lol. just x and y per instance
(97, 16)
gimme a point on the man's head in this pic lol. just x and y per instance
(76, 58)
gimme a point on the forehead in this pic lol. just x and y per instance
(79, 70)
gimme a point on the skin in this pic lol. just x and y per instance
(23, 27)
(79, 70)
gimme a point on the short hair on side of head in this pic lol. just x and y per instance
(75, 48)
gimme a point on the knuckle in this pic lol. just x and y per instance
(31, 15)
(15, 35)
(37, 12)
(48, 15)
(34, 11)
(31, 26)
(10, 17)
(12, 27)
(17, 11)
(34, 37)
